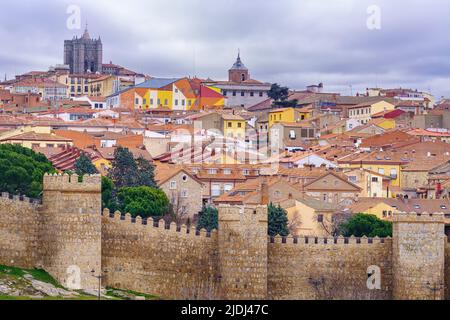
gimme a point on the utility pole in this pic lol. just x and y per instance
(100, 277)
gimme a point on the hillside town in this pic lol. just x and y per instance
(318, 155)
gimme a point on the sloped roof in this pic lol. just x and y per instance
(156, 83)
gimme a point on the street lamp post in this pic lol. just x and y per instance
(99, 277)
(435, 288)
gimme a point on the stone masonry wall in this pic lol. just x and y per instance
(170, 263)
(419, 256)
(70, 230)
(18, 231)
(311, 268)
(447, 271)
(243, 252)
(236, 262)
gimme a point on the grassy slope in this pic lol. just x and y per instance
(17, 274)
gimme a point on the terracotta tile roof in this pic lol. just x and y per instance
(33, 136)
(427, 133)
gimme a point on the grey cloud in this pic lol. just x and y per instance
(293, 42)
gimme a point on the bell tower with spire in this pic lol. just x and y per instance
(238, 72)
(83, 54)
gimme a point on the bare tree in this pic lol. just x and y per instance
(332, 224)
(294, 223)
(179, 210)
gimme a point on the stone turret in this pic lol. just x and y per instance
(418, 256)
(70, 229)
(242, 241)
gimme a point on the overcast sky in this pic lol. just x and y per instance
(292, 42)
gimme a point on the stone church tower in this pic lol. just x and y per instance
(238, 72)
(83, 54)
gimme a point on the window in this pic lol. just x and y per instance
(136, 101)
(374, 179)
(239, 125)
(224, 93)
(185, 178)
(189, 103)
(228, 187)
(320, 218)
(159, 102)
(144, 101)
(176, 90)
(183, 102)
(325, 197)
(215, 190)
(292, 135)
(352, 179)
(261, 94)
(151, 102)
(230, 125)
(246, 172)
(227, 171)
(176, 102)
(184, 194)
(166, 102)
(173, 185)
(394, 173)
(381, 171)
(252, 94)
(234, 93)
(50, 145)
(242, 94)
(212, 171)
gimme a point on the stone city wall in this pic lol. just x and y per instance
(236, 262)
(169, 262)
(323, 269)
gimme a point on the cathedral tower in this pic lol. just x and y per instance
(83, 54)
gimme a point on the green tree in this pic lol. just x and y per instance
(108, 195)
(143, 201)
(84, 165)
(128, 172)
(278, 221)
(278, 93)
(209, 219)
(366, 225)
(124, 169)
(22, 170)
(146, 173)
(280, 97)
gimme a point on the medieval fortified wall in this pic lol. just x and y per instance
(69, 236)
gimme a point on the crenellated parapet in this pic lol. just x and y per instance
(7, 197)
(156, 225)
(329, 241)
(414, 217)
(71, 183)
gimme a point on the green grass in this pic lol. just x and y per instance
(110, 292)
(37, 274)
(19, 275)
